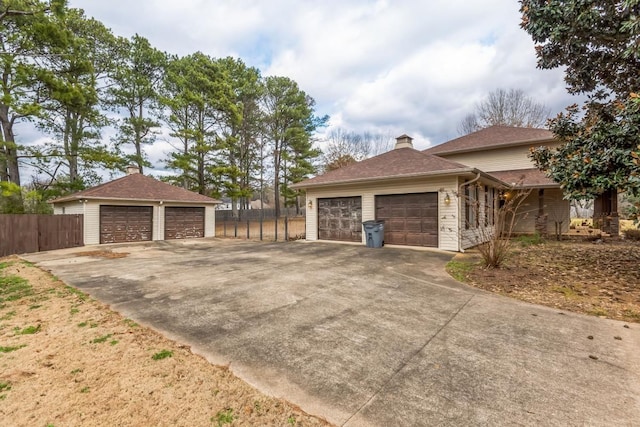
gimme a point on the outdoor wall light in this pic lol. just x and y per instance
(310, 204)
(447, 199)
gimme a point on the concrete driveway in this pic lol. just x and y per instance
(369, 336)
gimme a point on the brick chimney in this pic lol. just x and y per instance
(404, 141)
(131, 169)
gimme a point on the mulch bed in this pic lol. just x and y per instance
(600, 278)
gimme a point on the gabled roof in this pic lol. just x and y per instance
(139, 187)
(493, 137)
(525, 178)
(395, 164)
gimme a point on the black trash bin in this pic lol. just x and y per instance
(374, 232)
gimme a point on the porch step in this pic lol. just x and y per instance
(586, 231)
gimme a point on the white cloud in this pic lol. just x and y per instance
(403, 66)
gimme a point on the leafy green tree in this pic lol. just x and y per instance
(238, 148)
(135, 92)
(600, 151)
(10, 198)
(198, 97)
(289, 123)
(22, 24)
(598, 44)
(73, 84)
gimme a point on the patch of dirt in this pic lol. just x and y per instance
(66, 359)
(103, 254)
(596, 278)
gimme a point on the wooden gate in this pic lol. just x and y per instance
(33, 233)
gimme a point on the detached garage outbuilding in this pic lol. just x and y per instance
(137, 208)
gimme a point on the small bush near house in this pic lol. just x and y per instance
(530, 239)
(632, 234)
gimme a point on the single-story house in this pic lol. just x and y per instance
(425, 197)
(138, 208)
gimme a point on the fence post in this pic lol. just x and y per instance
(261, 219)
(248, 227)
(224, 225)
(286, 228)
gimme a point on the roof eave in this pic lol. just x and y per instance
(128, 199)
(449, 172)
(491, 147)
(533, 186)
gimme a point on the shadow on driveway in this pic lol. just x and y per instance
(366, 336)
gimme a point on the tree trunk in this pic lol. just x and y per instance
(4, 173)
(9, 160)
(138, 141)
(276, 181)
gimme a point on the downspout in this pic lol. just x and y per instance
(460, 225)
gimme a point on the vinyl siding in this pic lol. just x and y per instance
(92, 223)
(209, 221)
(158, 222)
(502, 159)
(447, 215)
(70, 208)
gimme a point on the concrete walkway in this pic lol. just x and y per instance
(369, 336)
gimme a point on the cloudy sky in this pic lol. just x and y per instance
(404, 66)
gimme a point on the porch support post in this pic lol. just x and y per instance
(541, 218)
(605, 212)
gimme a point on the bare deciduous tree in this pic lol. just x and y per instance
(491, 225)
(346, 147)
(469, 124)
(507, 108)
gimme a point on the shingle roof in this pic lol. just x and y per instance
(398, 163)
(492, 137)
(525, 178)
(139, 187)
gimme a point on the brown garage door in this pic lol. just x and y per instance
(410, 219)
(125, 223)
(340, 218)
(183, 223)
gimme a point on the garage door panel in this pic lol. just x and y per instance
(413, 225)
(414, 212)
(340, 219)
(414, 239)
(184, 222)
(395, 238)
(430, 240)
(429, 212)
(429, 225)
(125, 223)
(410, 219)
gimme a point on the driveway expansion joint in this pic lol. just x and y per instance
(407, 360)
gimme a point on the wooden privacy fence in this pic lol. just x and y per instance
(33, 233)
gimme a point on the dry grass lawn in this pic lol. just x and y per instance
(66, 359)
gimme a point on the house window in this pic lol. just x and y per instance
(490, 206)
(63, 210)
(471, 206)
(487, 205)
